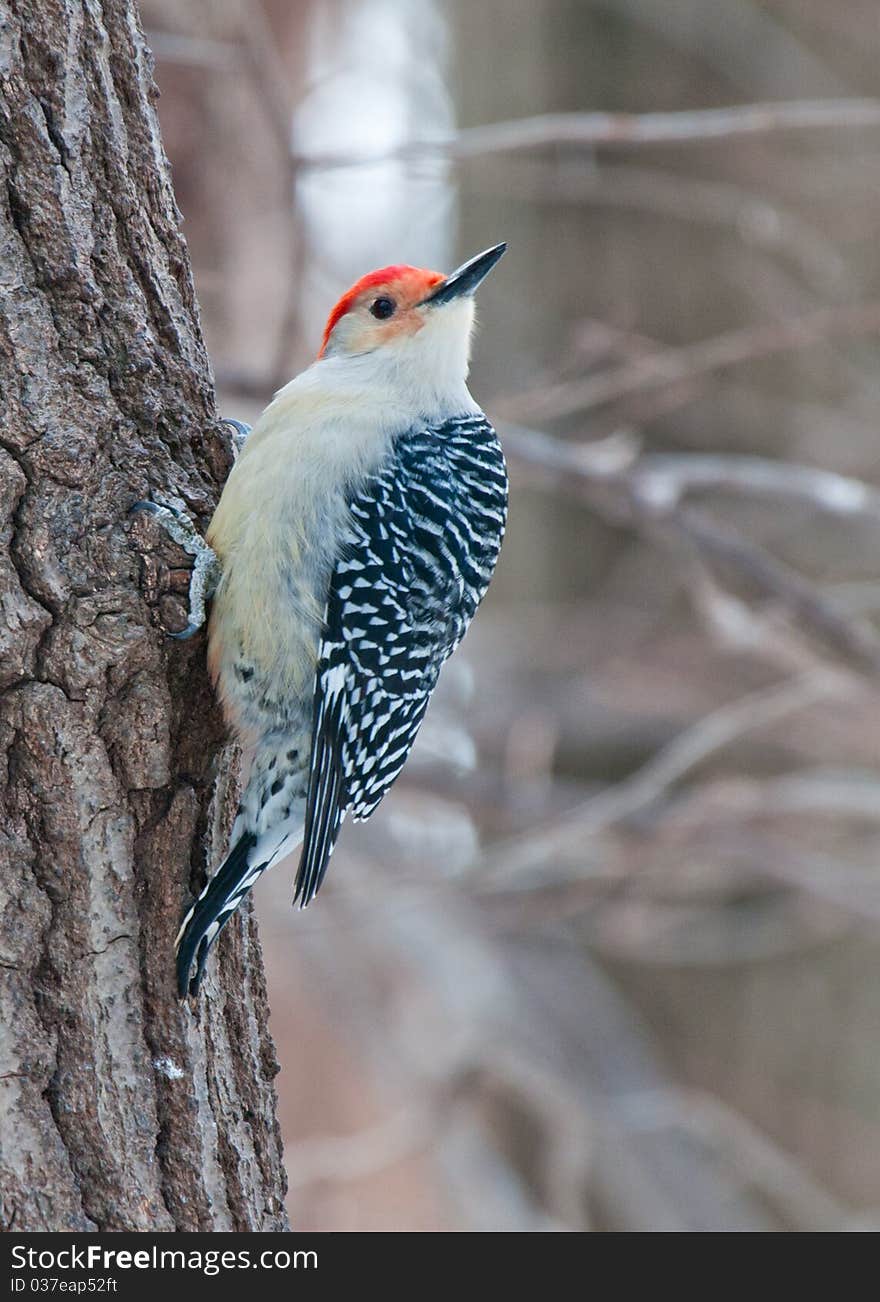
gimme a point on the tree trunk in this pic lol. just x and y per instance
(121, 1108)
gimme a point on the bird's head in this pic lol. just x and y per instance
(406, 315)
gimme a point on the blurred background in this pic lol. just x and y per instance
(608, 957)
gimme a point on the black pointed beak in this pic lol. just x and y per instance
(463, 282)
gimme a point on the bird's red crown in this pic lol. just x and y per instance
(408, 285)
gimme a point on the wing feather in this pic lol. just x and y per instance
(424, 536)
(324, 807)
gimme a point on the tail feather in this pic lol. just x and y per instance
(268, 826)
(212, 910)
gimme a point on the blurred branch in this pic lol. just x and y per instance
(646, 495)
(849, 793)
(666, 478)
(661, 480)
(597, 344)
(759, 222)
(625, 130)
(673, 366)
(708, 735)
(852, 888)
(814, 613)
(787, 64)
(762, 1166)
(194, 51)
(690, 748)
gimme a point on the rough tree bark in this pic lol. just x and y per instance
(121, 1109)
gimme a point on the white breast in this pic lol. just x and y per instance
(276, 532)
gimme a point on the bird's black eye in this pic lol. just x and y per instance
(382, 308)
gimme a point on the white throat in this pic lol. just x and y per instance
(424, 373)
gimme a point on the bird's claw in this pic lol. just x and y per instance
(206, 568)
(176, 523)
(187, 632)
(240, 432)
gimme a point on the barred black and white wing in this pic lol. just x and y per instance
(424, 538)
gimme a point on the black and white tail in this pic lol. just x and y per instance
(269, 825)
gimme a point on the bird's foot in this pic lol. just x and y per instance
(240, 432)
(205, 573)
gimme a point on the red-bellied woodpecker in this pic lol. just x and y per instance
(355, 538)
